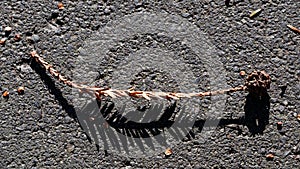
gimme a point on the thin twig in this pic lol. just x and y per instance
(293, 28)
(60, 77)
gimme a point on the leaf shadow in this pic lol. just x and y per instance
(50, 84)
(108, 127)
(257, 113)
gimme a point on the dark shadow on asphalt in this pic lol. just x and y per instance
(257, 113)
(53, 89)
(111, 124)
(104, 126)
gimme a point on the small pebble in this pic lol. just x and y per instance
(281, 109)
(243, 21)
(20, 128)
(286, 153)
(262, 151)
(279, 125)
(185, 15)
(138, 3)
(106, 11)
(7, 29)
(2, 41)
(270, 157)
(298, 117)
(24, 68)
(235, 68)
(35, 38)
(70, 148)
(5, 94)
(21, 90)
(60, 5)
(242, 73)
(168, 152)
(17, 37)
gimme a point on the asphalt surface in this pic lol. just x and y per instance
(40, 129)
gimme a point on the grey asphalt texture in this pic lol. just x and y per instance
(39, 129)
